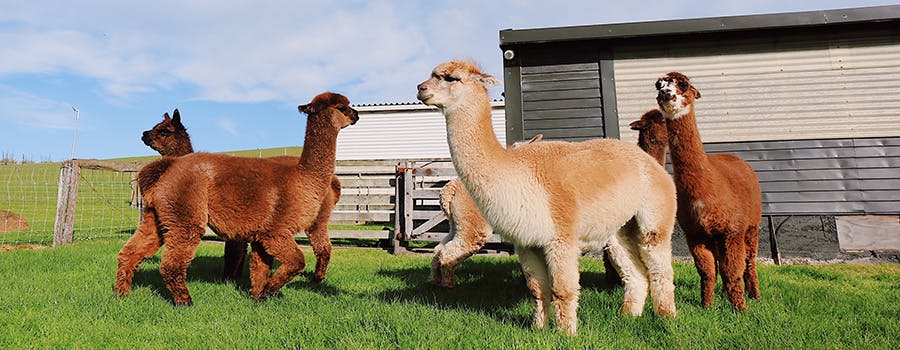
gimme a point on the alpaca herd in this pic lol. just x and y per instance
(549, 199)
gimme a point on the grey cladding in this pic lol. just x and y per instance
(562, 101)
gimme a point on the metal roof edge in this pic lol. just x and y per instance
(702, 25)
(414, 106)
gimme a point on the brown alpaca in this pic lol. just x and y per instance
(549, 198)
(719, 199)
(653, 137)
(260, 200)
(170, 138)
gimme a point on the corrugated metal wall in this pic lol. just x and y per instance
(773, 88)
(403, 132)
(562, 101)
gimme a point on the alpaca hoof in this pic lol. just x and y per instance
(184, 303)
(667, 312)
(121, 291)
(631, 310)
(742, 307)
(318, 278)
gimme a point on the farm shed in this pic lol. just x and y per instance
(806, 98)
(403, 131)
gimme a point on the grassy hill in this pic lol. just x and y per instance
(260, 153)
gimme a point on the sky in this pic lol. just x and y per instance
(237, 70)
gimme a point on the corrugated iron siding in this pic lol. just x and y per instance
(403, 132)
(562, 101)
(773, 88)
(835, 176)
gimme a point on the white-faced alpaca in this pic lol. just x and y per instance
(259, 200)
(469, 231)
(547, 198)
(719, 199)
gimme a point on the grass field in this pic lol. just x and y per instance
(62, 298)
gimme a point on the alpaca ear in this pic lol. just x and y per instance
(489, 81)
(176, 118)
(696, 92)
(309, 108)
(166, 116)
(637, 124)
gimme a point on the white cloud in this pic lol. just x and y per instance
(31, 111)
(228, 125)
(287, 51)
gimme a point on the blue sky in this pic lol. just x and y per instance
(237, 69)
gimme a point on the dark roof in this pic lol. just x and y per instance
(702, 25)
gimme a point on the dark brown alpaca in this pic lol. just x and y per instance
(170, 138)
(719, 200)
(260, 200)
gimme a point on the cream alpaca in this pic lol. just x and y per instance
(548, 198)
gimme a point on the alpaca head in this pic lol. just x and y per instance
(168, 136)
(676, 95)
(331, 108)
(453, 83)
(648, 121)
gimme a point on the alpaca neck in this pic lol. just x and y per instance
(652, 141)
(319, 147)
(686, 148)
(180, 147)
(474, 148)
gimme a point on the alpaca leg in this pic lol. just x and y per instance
(260, 268)
(436, 268)
(235, 255)
(467, 239)
(732, 254)
(181, 245)
(321, 244)
(537, 278)
(633, 273)
(143, 244)
(281, 245)
(750, 279)
(703, 251)
(562, 263)
(612, 276)
(658, 259)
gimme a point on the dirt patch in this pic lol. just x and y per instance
(10, 221)
(8, 247)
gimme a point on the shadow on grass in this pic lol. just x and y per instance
(492, 288)
(209, 269)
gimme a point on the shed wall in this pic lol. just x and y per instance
(403, 132)
(779, 87)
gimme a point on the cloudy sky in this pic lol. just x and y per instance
(237, 69)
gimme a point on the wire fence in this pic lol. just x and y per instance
(29, 197)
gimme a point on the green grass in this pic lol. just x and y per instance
(62, 298)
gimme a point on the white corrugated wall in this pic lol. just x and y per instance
(774, 89)
(403, 132)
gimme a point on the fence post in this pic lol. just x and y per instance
(773, 241)
(67, 194)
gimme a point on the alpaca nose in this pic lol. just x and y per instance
(421, 87)
(663, 95)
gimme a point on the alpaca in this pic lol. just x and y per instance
(719, 199)
(469, 231)
(548, 198)
(170, 138)
(653, 136)
(260, 200)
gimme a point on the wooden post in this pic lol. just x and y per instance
(399, 203)
(67, 194)
(773, 241)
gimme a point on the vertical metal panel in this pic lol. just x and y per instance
(562, 101)
(403, 132)
(773, 88)
(512, 80)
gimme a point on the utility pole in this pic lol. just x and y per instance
(75, 133)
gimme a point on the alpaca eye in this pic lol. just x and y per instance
(682, 85)
(450, 79)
